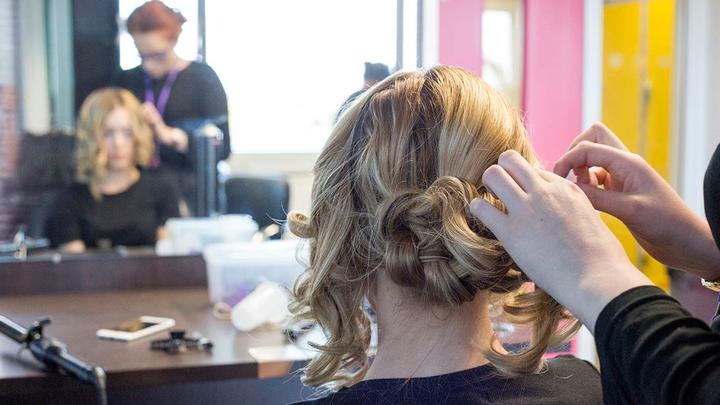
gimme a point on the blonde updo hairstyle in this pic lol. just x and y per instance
(390, 194)
(90, 153)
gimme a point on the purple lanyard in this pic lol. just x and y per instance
(160, 105)
(162, 100)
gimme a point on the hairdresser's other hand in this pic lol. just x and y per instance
(173, 137)
(556, 237)
(625, 186)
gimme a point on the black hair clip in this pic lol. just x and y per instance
(178, 343)
(294, 331)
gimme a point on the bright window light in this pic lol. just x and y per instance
(497, 47)
(288, 65)
(502, 47)
(410, 32)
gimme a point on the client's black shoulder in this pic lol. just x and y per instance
(564, 380)
(568, 380)
(566, 363)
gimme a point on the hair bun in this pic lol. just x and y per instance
(399, 227)
(433, 246)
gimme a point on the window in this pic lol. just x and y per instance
(288, 66)
(502, 47)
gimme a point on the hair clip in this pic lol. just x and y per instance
(178, 343)
(430, 259)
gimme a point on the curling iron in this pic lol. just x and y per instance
(54, 354)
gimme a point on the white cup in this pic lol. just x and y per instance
(267, 303)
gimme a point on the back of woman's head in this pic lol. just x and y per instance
(390, 194)
(92, 159)
(154, 15)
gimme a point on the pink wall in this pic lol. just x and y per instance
(460, 30)
(552, 92)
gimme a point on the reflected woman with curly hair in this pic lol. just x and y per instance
(389, 223)
(116, 201)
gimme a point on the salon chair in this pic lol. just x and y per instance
(46, 167)
(265, 198)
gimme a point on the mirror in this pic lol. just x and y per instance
(306, 58)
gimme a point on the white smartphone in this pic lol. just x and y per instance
(136, 328)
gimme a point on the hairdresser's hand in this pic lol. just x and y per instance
(151, 114)
(556, 237)
(174, 137)
(625, 186)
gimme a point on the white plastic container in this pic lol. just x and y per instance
(267, 303)
(192, 235)
(235, 269)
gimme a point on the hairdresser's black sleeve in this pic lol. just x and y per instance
(653, 352)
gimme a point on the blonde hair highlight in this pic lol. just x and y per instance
(391, 192)
(90, 153)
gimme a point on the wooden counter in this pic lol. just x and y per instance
(106, 271)
(122, 289)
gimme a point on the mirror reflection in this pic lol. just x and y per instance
(139, 113)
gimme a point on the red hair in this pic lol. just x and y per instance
(154, 15)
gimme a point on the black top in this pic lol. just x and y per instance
(652, 351)
(130, 218)
(566, 381)
(196, 96)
